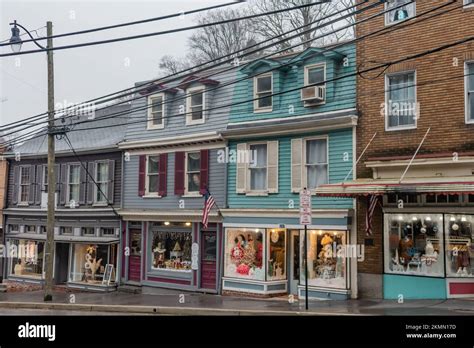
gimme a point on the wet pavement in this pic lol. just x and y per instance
(196, 301)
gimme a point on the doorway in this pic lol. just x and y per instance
(294, 262)
(61, 263)
(135, 258)
(208, 260)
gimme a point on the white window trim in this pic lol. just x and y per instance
(466, 90)
(256, 109)
(387, 14)
(150, 124)
(306, 78)
(387, 92)
(304, 173)
(20, 202)
(189, 116)
(149, 194)
(186, 192)
(96, 189)
(67, 200)
(248, 189)
(468, 5)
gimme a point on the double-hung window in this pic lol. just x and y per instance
(263, 90)
(400, 101)
(152, 174)
(195, 105)
(193, 172)
(468, 3)
(316, 162)
(156, 111)
(74, 183)
(258, 169)
(24, 184)
(470, 92)
(102, 180)
(400, 10)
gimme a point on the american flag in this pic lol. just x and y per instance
(371, 204)
(208, 204)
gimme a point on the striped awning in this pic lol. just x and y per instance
(365, 187)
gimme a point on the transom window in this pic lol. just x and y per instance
(65, 230)
(195, 102)
(74, 183)
(152, 174)
(156, 109)
(263, 88)
(442, 199)
(405, 198)
(102, 180)
(13, 228)
(402, 10)
(30, 229)
(470, 91)
(258, 169)
(316, 163)
(24, 184)
(88, 231)
(400, 101)
(107, 231)
(193, 172)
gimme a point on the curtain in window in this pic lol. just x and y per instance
(470, 72)
(401, 110)
(316, 159)
(258, 172)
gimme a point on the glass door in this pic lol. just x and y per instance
(294, 262)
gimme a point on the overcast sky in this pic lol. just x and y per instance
(86, 72)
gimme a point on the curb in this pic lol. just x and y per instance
(162, 310)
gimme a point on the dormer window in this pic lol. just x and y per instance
(195, 103)
(314, 77)
(402, 10)
(263, 89)
(156, 111)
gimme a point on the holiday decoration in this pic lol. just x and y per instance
(243, 269)
(92, 264)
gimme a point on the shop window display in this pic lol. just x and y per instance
(28, 260)
(414, 244)
(171, 251)
(89, 261)
(276, 257)
(244, 254)
(326, 259)
(459, 247)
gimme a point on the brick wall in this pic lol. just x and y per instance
(442, 104)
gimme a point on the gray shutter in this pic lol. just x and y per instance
(90, 183)
(241, 170)
(82, 186)
(296, 165)
(31, 191)
(110, 185)
(63, 185)
(57, 172)
(39, 184)
(272, 166)
(16, 181)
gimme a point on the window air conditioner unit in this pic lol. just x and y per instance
(313, 94)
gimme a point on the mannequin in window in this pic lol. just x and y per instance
(405, 244)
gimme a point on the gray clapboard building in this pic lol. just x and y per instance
(88, 196)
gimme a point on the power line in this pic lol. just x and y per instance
(171, 31)
(148, 20)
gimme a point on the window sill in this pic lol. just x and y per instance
(151, 196)
(389, 24)
(394, 129)
(193, 123)
(307, 104)
(191, 195)
(261, 111)
(155, 127)
(469, 7)
(22, 204)
(100, 204)
(256, 194)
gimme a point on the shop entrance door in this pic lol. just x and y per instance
(208, 260)
(61, 263)
(294, 262)
(135, 258)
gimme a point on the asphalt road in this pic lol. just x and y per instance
(31, 312)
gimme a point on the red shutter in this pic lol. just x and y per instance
(163, 164)
(179, 173)
(204, 171)
(141, 175)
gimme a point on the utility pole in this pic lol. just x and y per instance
(48, 287)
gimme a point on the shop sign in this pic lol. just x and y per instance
(305, 207)
(194, 256)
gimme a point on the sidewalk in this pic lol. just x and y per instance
(167, 302)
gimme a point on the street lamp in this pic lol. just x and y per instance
(16, 43)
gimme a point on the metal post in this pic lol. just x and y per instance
(306, 266)
(49, 255)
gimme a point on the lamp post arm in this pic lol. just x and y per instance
(29, 34)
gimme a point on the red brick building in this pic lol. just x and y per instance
(423, 226)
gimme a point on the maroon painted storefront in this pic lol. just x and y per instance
(172, 254)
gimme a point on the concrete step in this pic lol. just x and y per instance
(3, 287)
(131, 289)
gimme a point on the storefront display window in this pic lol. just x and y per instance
(414, 244)
(89, 263)
(171, 251)
(244, 254)
(276, 256)
(326, 259)
(28, 258)
(459, 247)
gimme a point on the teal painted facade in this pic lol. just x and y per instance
(413, 288)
